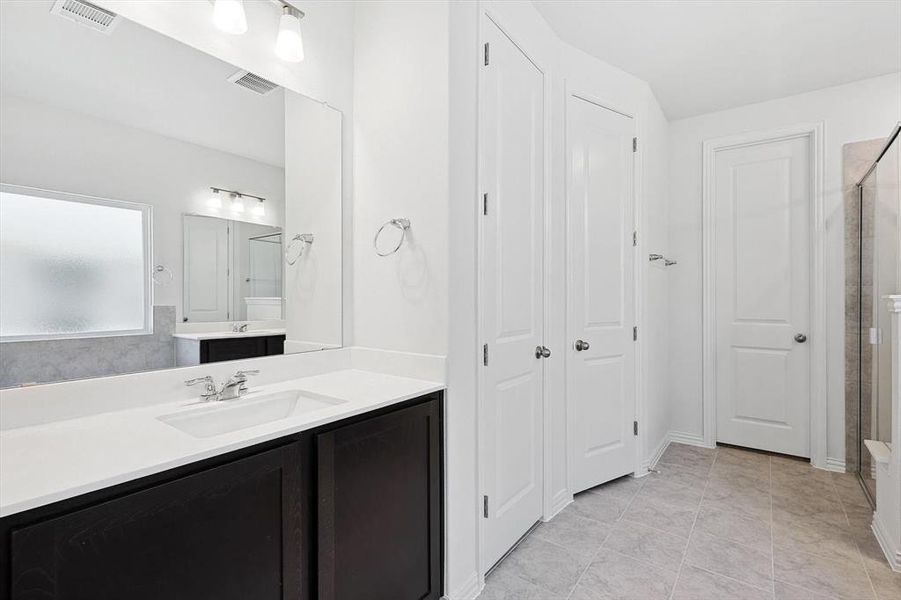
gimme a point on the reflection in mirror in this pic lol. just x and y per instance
(146, 205)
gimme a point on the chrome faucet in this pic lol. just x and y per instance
(234, 387)
(239, 328)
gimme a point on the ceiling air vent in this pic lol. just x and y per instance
(253, 82)
(87, 14)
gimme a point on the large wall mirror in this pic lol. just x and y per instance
(154, 216)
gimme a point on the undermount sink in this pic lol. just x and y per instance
(232, 415)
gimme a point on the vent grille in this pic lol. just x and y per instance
(253, 82)
(87, 14)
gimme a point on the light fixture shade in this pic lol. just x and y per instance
(237, 203)
(259, 210)
(228, 16)
(289, 43)
(215, 200)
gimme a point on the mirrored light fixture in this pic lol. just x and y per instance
(215, 200)
(289, 43)
(259, 210)
(237, 203)
(228, 16)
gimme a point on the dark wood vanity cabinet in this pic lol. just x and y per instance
(351, 510)
(237, 348)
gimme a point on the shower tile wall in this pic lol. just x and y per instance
(856, 159)
(26, 362)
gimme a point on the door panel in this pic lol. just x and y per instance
(206, 269)
(600, 379)
(761, 204)
(512, 108)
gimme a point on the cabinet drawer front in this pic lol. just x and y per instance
(229, 532)
(379, 508)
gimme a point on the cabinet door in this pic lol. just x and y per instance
(232, 349)
(379, 508)
(231, 532)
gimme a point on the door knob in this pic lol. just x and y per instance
(542, 352)
(800, 338)
(581, 345)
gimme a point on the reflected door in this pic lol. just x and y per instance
(206, 269)
(761, 201)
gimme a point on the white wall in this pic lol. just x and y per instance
(857, 111)
(44, 147)
(400, 170)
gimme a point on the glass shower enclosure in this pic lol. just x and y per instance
(878, 275)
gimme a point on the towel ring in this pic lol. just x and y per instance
(400, 223)
(294, 250)
(161, 275)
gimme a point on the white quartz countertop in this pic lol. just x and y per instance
(46, 463)
(218, 335)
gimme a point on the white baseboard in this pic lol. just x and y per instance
(469, 590)
(834, 464)
(656, 454)
(891, 551)
(691, 439)
(560, 501)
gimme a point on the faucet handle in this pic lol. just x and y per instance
(196, 380)
(246, 372)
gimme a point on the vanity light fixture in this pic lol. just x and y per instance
(259, 210)
(228, 16)
(215, 200)
(289, 43)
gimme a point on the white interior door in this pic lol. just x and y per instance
(761, 204)
(206, 276)
(601, 369)
(512, 151)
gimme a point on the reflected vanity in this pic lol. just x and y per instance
(193, 243)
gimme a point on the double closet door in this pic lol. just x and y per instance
(512, 289)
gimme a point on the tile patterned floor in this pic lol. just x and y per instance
(711, 525)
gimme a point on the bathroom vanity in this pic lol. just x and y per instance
(201, 348)
(346, 504)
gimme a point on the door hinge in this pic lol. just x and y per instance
(635, 144)
(485, 506)
(484, 204)
(634, 427)
(635, 334)
(485, 354)
(634, 238)
(486, 54)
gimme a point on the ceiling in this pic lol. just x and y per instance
(136, 77)
(703, 56)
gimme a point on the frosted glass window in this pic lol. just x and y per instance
(72, 266)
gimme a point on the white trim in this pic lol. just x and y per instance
(468, 590)
(892, 552)
(818, 364)
(658, 452)
(894, 302)
(689, 439)
(835, 465)
(560, 501)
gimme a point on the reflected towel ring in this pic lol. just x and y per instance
(294, 250)
(400, 223)
(161, 275)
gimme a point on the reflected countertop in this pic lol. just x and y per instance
(218, 335)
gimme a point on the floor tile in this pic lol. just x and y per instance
(671, 492)
(615, 576)
(826, 576)
(504, 585)
(623, 488)
(650, 545)
(573, 532)
(815, 537)
(660, 515)
(886, 582)
(683, 454)
(729, 525)
(785, 591)
(743, 504)
(685, 474)
(545, 564)
(728, 464)
(733, 560)
(698, 584)
(598, 506)
(738, 481)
